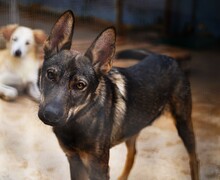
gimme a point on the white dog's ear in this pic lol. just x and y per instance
(60, 37)
(8, 30)
(39, 36)
(102, 50)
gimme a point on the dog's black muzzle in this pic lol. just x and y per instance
(52, 114)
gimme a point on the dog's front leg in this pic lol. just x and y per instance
(8, 93)
(77, 169)
(97, 165)
(33, 91)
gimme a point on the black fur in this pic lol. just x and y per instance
(138, 54)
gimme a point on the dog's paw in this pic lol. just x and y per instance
(9, 95)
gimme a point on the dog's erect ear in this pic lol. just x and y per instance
(60, 37)
(8, 30)
(39, 36)
(102, 50)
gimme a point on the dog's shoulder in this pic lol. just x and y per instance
(118, 79)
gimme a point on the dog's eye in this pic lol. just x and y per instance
(27, 43)
(80, 85)
(14, 39)
(51, 74)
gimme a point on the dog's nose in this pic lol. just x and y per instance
(18, 53)
(53, 113)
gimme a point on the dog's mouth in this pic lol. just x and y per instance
(53, 123)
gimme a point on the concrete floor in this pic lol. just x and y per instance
(29, 149)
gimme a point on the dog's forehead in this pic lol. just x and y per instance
(69, 56)
(23, 32)
(69, 59)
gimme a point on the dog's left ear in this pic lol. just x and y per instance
(39, 36)
(102, 50)
(60, 37)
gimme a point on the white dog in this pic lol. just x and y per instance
(20, 61)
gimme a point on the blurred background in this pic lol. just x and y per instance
(188, 30)
(190, 23)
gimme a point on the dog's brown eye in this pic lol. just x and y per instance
(81, 85)
(51, 74)
(27, 43)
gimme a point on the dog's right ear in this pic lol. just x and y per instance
(60, 37)
(102, 50)
(39, 36)
(8, 30)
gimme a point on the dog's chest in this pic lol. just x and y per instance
(24, 69)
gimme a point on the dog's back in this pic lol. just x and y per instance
(148, 88)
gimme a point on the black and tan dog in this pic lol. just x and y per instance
(93, 107)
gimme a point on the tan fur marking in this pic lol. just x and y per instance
(131, 151)
(84, 157)
(39, 36)
(120, 106)
(8, 30)
(75, 110)
(100, 91)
